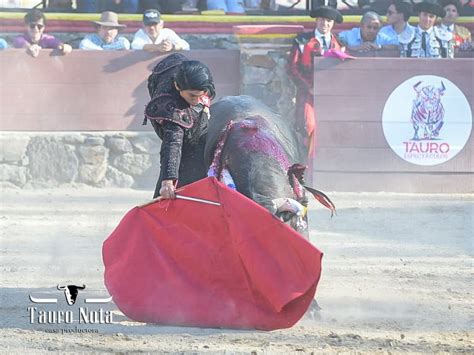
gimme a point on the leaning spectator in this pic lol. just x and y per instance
(154, 38)
(426, 40)
(398, 14)
(107, 37)
(3, 44)
(462, 36)
(34, 39)
(367, 36)
(233, 6)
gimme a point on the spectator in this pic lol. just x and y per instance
(234, 6)
(107, 37)
(3, 44)
(398, 13)
(89, 6)
(462, 36)
(367, 36)
(154, 38)
(163, 6)
(124, 6)
(306, 46)
(427, 41)
(34, 39)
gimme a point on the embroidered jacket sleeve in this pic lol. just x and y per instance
(295, 63)
(171, 147)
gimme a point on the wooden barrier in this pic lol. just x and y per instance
(91, 91)
(353, 153)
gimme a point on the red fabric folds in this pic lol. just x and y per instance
(192, 264)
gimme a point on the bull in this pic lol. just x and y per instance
(71, 292)
(427, 111)
(260, 151)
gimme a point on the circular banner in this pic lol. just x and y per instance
(427, 120)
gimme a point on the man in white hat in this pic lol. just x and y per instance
(426, 40)
(154, 38)
(107, 37)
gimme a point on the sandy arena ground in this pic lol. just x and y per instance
(397, 277)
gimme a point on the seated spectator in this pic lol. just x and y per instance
(154, 38)
(89, 6)
(426, 40)
(34, 39)
(462, 36)
(367, 36)
(163, 6)
(3, 44)
(107, 37)
(235, 6)
(123, 6)
(398, 14)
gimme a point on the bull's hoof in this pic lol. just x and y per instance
(313, 311)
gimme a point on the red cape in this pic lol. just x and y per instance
(186, 263)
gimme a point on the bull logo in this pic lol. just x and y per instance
(427, 111)
(71, 292)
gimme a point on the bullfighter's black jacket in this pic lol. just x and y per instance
(181, 127)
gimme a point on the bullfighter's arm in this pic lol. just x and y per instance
(293, 68)
(171, 146)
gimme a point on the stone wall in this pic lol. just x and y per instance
(131, 159)
(100, 159)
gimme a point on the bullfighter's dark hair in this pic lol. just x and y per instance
(34, 15)
(194, 75)
(403, 7)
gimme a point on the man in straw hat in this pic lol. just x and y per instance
(107, 37)
(426, 40)
(305, 47)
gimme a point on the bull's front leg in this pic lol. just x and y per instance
(415, 136)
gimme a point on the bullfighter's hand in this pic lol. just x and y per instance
(167, 190)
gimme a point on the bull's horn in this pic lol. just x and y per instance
(416, 86)
(81, 287)
(289, 205)
(61, 287)
(443, 87)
